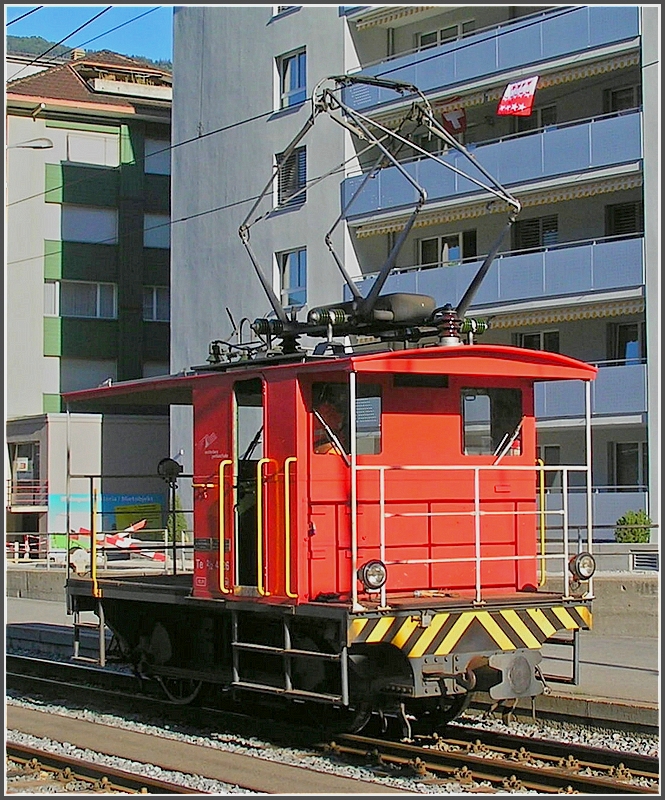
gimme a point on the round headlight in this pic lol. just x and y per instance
(373, 575)
(583, 565)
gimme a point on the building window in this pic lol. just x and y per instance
(292, 71)
(627, 343)
(539, 118)
(443, 35)
(156, 304)
(539, 340)
(157, 159)
(24, 458)
(51, 301)
(446, 251)
(622, 219)
(492, 421)
(292, 267)
(89, 224)
(628, 465)
(157, 231)
(153, 369)
(621, 99)
(93, 148)
(292, 178)
(550, 455)
(85, 299)
(530, 234)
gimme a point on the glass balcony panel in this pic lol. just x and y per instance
(522, 277)
(531, 276)
(609, 395)
(569, 271)
(618, 263)
(531, 157)
(615, 140)
(518, 46)
(567, 149)
(556, 33)
(620, 390)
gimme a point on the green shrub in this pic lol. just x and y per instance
(633, 526)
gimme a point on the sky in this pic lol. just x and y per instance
(150, 36)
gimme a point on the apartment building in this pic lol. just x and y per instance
(87, 271)
(579, 272)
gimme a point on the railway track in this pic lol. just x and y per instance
(468, 754)
(30, 770)
(507, 763)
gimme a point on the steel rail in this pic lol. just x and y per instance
(100, 777)
(511, 769)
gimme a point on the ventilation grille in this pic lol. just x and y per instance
(645, 561)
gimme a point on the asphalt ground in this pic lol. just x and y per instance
(618, 675)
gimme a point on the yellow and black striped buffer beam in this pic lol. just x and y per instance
(468, 631)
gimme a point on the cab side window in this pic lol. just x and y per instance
(491, 421)
(332, 427)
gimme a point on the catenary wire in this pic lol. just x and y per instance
(266, 114)
(80, 27)
(23, 16)
(111, 30)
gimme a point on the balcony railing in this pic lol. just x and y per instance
(27, 494)
(573, 268)
(556, 151)
(528, 41)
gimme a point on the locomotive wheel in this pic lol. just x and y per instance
(447, 709)
(343, 720)
(180, 691)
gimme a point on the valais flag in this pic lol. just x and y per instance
(517, 100)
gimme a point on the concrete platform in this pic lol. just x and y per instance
(619, 675)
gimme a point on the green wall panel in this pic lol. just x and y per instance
(87, 186)
(89, 338)
(52, 336)
(156, 344)
(81, 126)
(52, 260)
(51, 403)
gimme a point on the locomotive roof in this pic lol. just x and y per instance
(472, 360)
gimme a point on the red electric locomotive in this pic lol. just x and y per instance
(368, 518)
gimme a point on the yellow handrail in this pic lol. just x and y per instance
(259, 526)
(287, 525)
(541, 472)
(222, 551)
(96, 591)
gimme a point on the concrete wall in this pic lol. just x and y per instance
(31, 372)
(650, 27)
(625, 605)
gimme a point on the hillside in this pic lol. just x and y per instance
(36, 45)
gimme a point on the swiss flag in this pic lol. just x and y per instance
(517, 100)
(454, 121)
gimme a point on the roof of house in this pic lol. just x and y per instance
(75, 80)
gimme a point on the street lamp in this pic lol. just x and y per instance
(41, 143)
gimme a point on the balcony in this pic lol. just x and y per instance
(617, 390)
(529, 41)
(27, 495)
(555, 152)
(573, 268)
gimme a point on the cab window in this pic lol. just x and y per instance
(332, 426)
(491, 421)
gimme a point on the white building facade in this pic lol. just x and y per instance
(579, 273)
